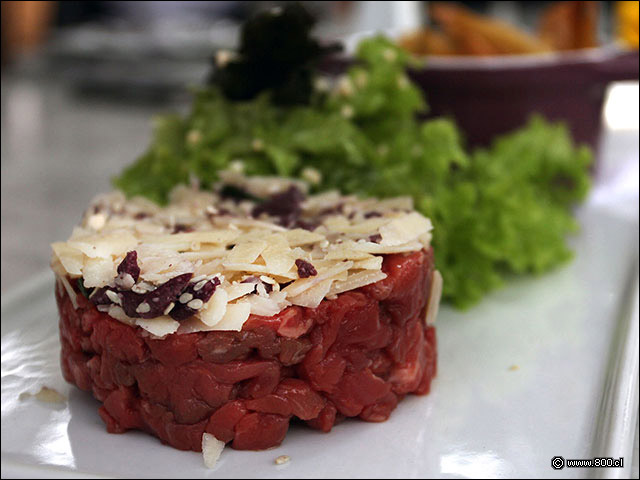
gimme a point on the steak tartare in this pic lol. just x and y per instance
(174, 322)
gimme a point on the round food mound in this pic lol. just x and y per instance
(356, 355)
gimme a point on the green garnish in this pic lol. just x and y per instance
(83, 289)
(496, 211)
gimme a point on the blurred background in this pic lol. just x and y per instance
(81, 81)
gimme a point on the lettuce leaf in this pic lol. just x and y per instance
(499, 211)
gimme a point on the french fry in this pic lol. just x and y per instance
(556, 25)
(586, 25)
(470, 42)
(627, 23)
(570, 25)
(427, 42)
(501, 36)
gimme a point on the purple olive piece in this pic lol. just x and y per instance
(157, 300)
(182, 311)
(286, 205)
(130, 265)
(305, 269)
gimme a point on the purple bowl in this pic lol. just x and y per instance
(488, 96)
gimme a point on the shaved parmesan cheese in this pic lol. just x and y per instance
(207, 235)
(238, 290)
(434, 298)
(313, 296)
(375, 248)
(278, 259)
(357, 280)
(105, 245)
(216, 236)
(396, 203)
(115, 311)
(268, 306)
(70, 291)
(97, 272)
(245, 252)
(234, 317)
(97, 221)
(159, 326)
(70, 258)
(403, 229)
(299, 286)
(215, 309)
(371, 263)
(261, 269)
(346, 251)
(211, 449)
(299, 237)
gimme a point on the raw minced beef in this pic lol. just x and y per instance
(356, 355)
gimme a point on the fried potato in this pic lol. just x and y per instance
(427, 42)
(505, 38)
(570, 25)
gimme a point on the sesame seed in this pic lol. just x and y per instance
(345, 87)
(138, 288)
(144, 307)
(402, 81)
(196, 304)
(200, 284)
(169, 308)
(257, 144)
(223, 57)
(236, 166)
(389, 55)
(97, 221)
(282, 459)
(347, 111)
(194, 136)
(185, 297)
(114, 297)
(361, 79)
(266, 279)
(312, 175)
(322, 84)
(198, 278)
(125, 281)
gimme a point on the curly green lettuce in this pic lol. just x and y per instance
(499, 211)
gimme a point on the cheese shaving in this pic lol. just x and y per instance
(337, 242)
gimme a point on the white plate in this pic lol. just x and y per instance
(573, 334)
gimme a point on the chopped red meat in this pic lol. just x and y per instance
(356, 355)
